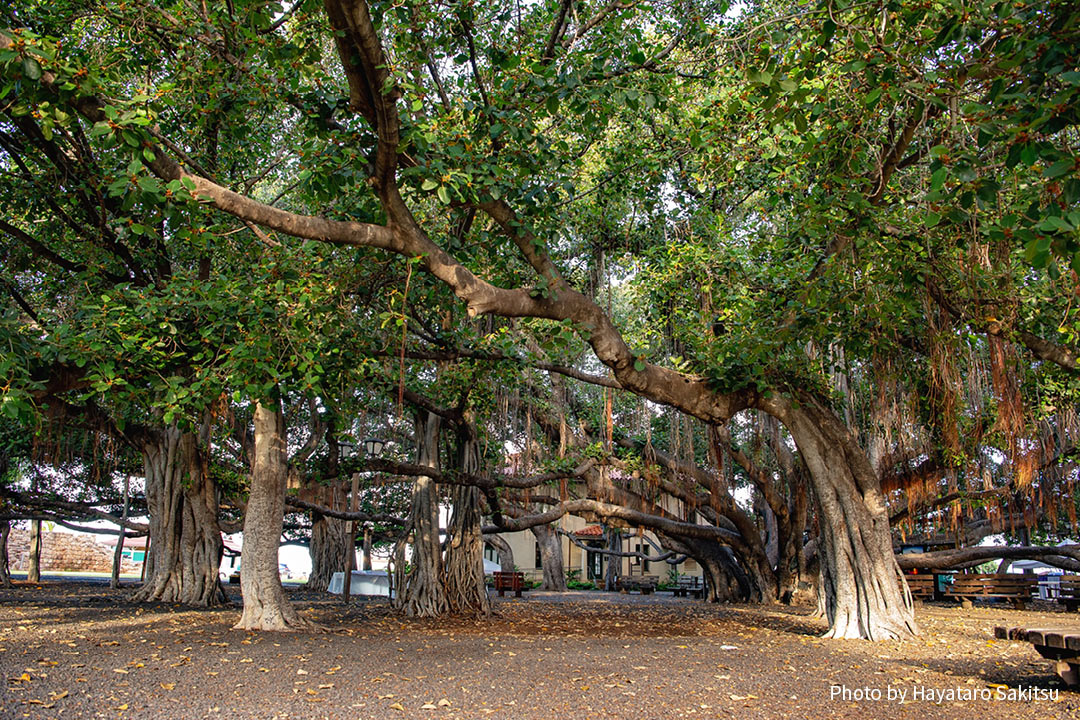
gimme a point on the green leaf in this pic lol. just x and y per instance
(31, 68)
(937, 180)
(639, 365)
(1059, 168)
(429, 184)
(444, 195)
(931, 219)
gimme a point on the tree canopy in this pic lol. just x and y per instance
(824, 251)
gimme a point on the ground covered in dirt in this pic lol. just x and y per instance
(82, 651)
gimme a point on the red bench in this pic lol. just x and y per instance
(514, 581)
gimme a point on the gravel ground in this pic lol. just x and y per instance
(81, 651)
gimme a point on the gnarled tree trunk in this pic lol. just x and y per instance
(329, 536)
(265, 604)
(551, 558)
(503, 550)
(329, 543)
(861, 585)
(725, 579)
(424, 594)
(464, 567)
(464, 571)
(185, 541)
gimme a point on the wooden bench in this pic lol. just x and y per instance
(688, 586)
(922, 587)
(645, 584)
(1060, 646)
(1015, 588)
(514, 581)
(1068, 592)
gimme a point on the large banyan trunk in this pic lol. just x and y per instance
(185, 541)
(465, 588)
(551, 558)
(861, 585)
(464, 569)
(424, 594)
(265, 604)
(503, 550)
(329, 538)
(329, 550)
(5, 568)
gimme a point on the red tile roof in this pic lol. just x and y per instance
(590, 531)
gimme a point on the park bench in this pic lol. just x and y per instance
(688, 586)
(514, 581)
(645, 584)
(1068, 592)
(1060, 646)
(1015, 588)
(922, 587)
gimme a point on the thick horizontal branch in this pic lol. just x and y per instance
(80, 511)
(485, 482)
(344, 514)
(1065, 556)
(615, 512)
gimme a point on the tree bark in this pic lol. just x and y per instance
(551, 558)
(725, 579)
(185, 549)
(465, 588)
(424, 594)
(861, 584)
(265, 604)
(503, 550)
(1066, 557)
(118, 553)
(329, 540)
(466, 591)
(5, 567)
(367, 548)
(612, 562)
(33, 568)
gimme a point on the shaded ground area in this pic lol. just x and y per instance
(83, 651)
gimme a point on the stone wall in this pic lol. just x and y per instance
(64, 552)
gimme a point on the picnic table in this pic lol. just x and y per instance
(1016, 588)
(1068, 592)
(513, 581)
(922, 586)
(1060, 646)
(645, 584)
